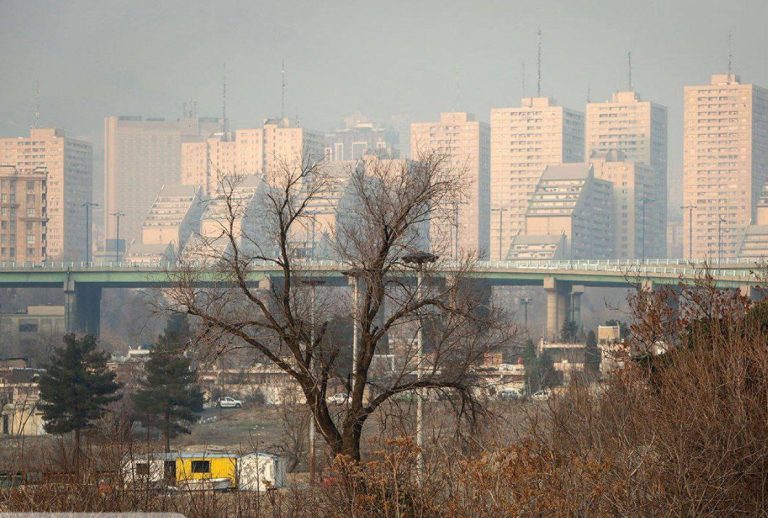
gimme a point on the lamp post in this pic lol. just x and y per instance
(690, 229)
(501, 211)
(720, 221)
(117, 216)
(643, 201)
(525, 301)
(419, 259)
(88, 206)
(313, 284)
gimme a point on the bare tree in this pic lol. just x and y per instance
(384, 212)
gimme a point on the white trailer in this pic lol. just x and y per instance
(260, 471)
(149, 469)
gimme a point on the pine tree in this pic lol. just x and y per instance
(76, 388)
(169, 398)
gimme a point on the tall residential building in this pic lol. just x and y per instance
(23, 215)
(638, 222)
(638, 129)
(524, 141)
(257, 151)
(572, 204)
(360, 138)
(140, 156)
(68, 164)
(725, 163)
(465, 142)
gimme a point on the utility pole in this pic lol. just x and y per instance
(690, 229)
(419, 259)
(643, 201)
(501, 211)
(353, 276)
(720, 221)
(88, 206)
(525, 301)
(117, 216)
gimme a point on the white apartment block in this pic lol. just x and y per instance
(140, 156)
(725, 163)
(463, 227)
(68, 166)
(524, 141)
(638, 129)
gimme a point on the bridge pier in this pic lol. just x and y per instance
(558, 305)
(576, 292)
(82, 308)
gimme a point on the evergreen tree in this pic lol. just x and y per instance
(531, 367)
(569, 332)
(76, 388)
(169, 398)
(592, 355)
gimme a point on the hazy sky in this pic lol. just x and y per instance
(395, 61)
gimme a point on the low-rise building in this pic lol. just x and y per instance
(20, 397)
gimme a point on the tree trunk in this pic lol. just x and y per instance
(77, 454)
(167, 432)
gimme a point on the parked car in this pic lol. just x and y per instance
(228, 402)
(509, 394)
(338, 399)
(542, 395)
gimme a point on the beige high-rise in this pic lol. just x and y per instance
(140, 156)
(464, 228)
(23, 215)
(68, 164)
(524, 141)
(277, 144)
(638, 129)
(639, 226)
(725, 162)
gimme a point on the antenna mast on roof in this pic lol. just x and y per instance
(224, 122)
(458, 90)
(282, 92)
(730, 55)
(523, 79)
(538, 63)
(589, 94)
(37, 105)
(629, 69)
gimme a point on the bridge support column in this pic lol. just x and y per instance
(82, 308)
(576, 293)
(558, 295)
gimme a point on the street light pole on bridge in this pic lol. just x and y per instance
(117, 216)
(88, 206)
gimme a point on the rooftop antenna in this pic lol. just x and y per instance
(589, 95)
(224, 122)
(523, 78)
(37, 105)
(282, 92)
(458, 90)
(730, 54)
(538, 64)
(629, 69)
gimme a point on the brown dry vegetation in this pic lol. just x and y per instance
(684, 433)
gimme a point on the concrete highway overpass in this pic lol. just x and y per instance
(563, 281)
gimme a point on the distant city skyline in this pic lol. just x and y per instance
(397, 65)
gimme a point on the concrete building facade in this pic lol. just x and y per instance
(464, 226)
(68, 165)
(638, 129)
(725, 163)
(639, 226)
(23, 215)
(140, 156)
(277, 144)
(524, 141)
(569, 202)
